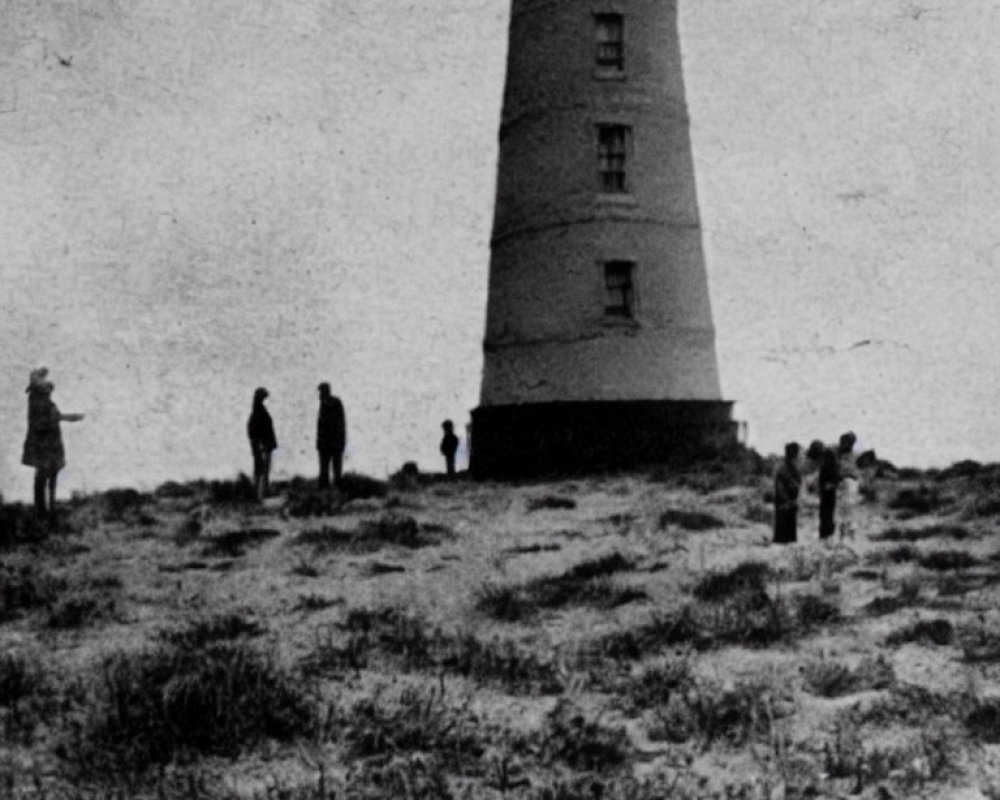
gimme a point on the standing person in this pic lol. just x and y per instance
(847, 486)
(787, 482)
(331, 436)
(449, 445)
(260, 431)
(827, 479)
(43, 445)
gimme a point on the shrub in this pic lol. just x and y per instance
(957, 532)
(922, 500)
(234, 543)
(19, 524)
(928, 755)
(960, 469)
(570, 738)
(928, 631)
(983, 722)
(499, 662)
(415, 721)
(372, 535)
(354, 486)
(550, 501)
(833, 679)
(748, 579)
(584, 584)
(120, 503)
(413, 777)
(172, 490)
(983, 506)
(394, 529)
(708, 713)
(689, 520)
(214, 629)
(232, 493)
(657, 685)
(948, 559)
(23, 588)
(885, 604)
(814, 611)
(895, 555)
(214, 700)
(19, 679)
(78, 608)
(315, 602)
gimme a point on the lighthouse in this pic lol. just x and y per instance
(599, 349)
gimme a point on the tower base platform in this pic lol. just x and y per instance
(537, 439)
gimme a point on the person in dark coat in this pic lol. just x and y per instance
(43, 445)
(449, 446)
(260, 431)
(787, 482)
(331, 436)
(827, 480)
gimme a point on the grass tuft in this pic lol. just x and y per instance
(689, 520)
(833, 679)
(587, 583)
(212, 630)
(948, 559)
(747, 581)
(550, 501)
(216, 700)
(922, 500)
(568, 737)
(926, 631)
(957, 532)
(416, 720)
(233, 544)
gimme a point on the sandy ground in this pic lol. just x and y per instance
(898, 726)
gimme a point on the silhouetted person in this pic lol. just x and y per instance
(43, 446)
(847, 486)
(260, 430)
(449, 446)
(787, 482)
(331, 436)
(827, 479)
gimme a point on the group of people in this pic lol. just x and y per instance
(43, 445)
(331, 439)
(837, 483)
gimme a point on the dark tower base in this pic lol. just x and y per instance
(530, 440)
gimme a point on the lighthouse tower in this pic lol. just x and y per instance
(599, 347)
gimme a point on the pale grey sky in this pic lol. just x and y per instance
(197, 199)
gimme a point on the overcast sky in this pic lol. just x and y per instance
(200, 198)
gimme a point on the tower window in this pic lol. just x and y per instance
(610, 41)
(619, 291)
(612, 145)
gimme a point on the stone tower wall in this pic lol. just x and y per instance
(547, 335)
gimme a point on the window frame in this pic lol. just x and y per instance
(609, 32)
(614, 154)
(618, 282)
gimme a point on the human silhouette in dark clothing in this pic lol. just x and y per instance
(787, 482)
(449, 445)
(43, 445)
(331, 436)
(827, 481)
(260, 431)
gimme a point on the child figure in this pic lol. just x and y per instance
(449, 445)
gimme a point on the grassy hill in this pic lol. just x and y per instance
(630, 636)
